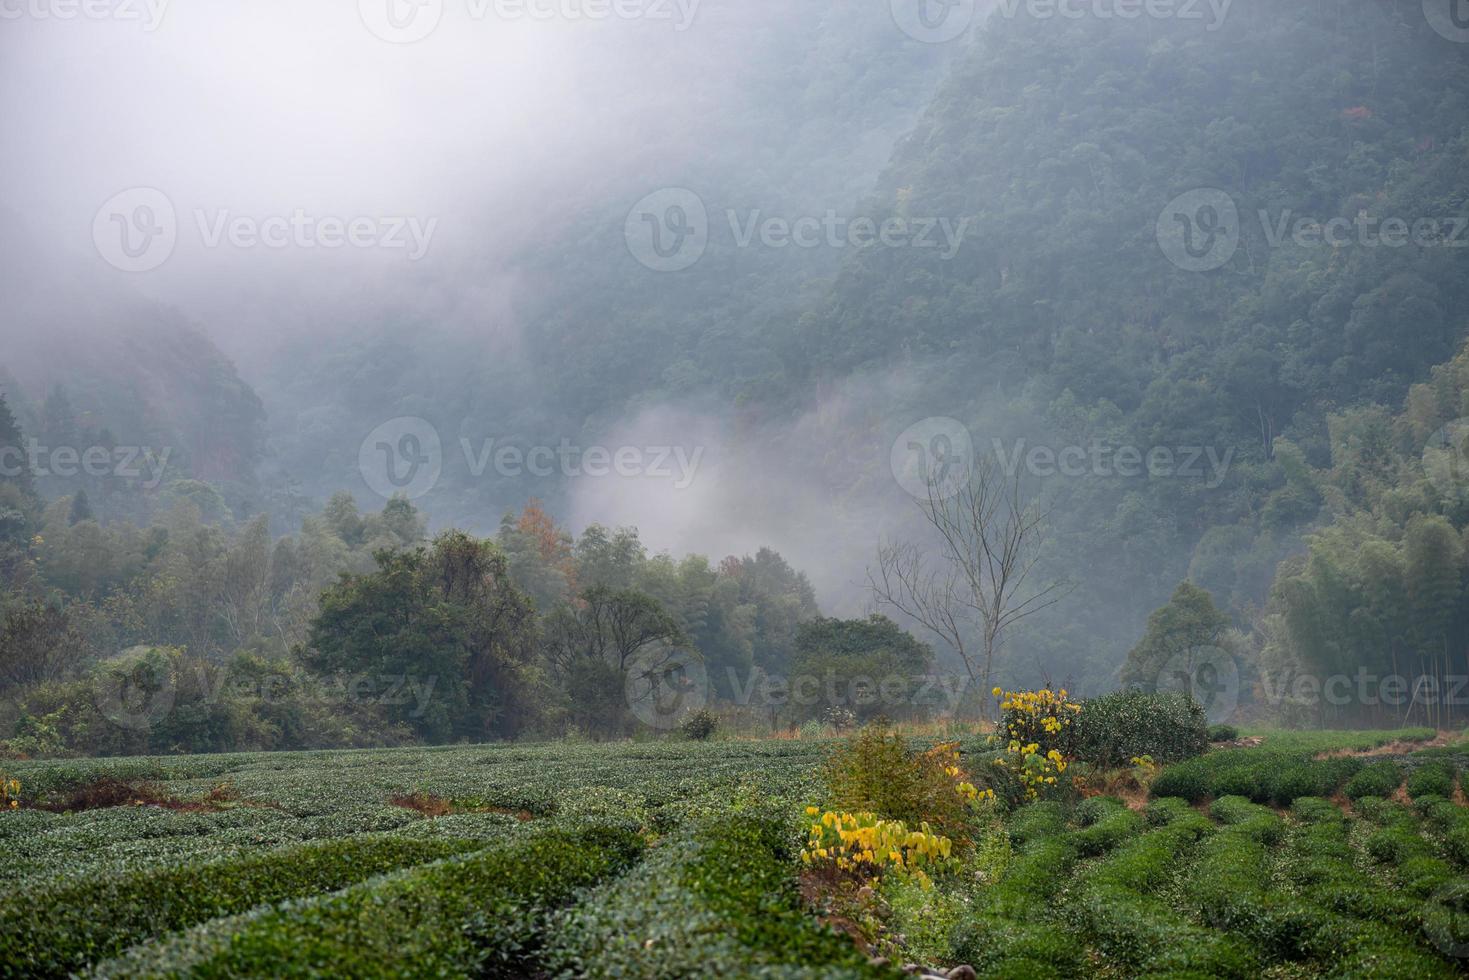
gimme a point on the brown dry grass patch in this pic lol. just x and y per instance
(437, 806)
(110, 792)
(1396, 747)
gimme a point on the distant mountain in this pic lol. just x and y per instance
(87, 361)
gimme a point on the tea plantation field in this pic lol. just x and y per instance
(681, 859)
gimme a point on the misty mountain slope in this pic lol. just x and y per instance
(1063, 322)
(764, 109)
(132, 373)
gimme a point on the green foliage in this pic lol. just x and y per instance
(1431, 779)
(447, 618)
(1187, 628)
(876, 771)
(1381, 778)
(1262, 775)
(485, 911)
(886, 663)
(1113, 729)
(52, 931)
(1223, 733)
(700, 725)
(717, 897)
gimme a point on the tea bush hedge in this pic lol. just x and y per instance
(1431, 779)
(1380, 778)
(481, 913)
(718, 898)
(49, 932)
(1113, 729)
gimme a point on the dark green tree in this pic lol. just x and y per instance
(447, 625)
(1190, 625)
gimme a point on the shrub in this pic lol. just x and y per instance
(1115, 728)
(477, 914)
(1184, 781)
(1431, 779)
(875, 771)
(715, 899)
(1107, 823)
(1034, 739)
(700, 725)
(1376, 779)
(55, 930)
(1223, 733)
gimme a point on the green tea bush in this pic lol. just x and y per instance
(1106, 823)
(716, 899)
(51, 931)
(1247, 819)
(1043, 819)
(997, 947)
(1184, 781)
(1431, 779)
(1376, 779)
(476, 914)
(1223, 733)
(1113, 729)
(1259, 775)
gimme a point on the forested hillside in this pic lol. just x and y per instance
(1238, 246)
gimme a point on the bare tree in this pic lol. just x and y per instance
(991, 536)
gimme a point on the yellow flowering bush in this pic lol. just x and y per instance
(865, 844)
(1034, 730)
